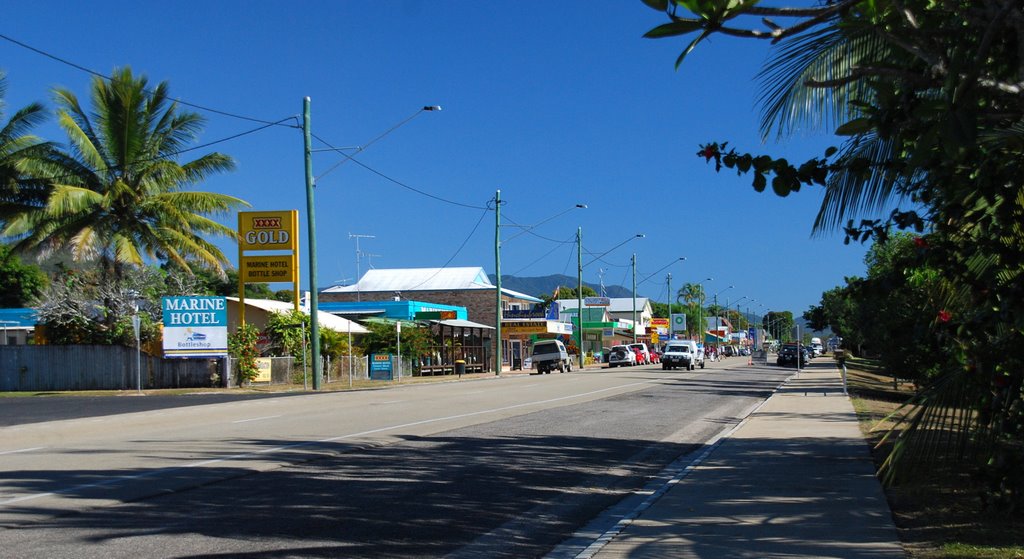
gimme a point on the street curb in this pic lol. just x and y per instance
(676, 472)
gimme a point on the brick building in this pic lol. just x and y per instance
(467, 287)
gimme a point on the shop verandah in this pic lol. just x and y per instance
(460, 346)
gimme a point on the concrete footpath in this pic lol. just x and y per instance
(795, 479)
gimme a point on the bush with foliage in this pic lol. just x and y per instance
(242, 347)
(926, 96)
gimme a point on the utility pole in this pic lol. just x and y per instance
(314, 323)
(579, 294)
(669, 280)
(634, 297)
(497, 275)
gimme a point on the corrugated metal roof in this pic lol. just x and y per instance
(425, 279)
(616, 304)
(457, 323)
(327, 320)
(18, 318)
(625, 304)
(418, 279)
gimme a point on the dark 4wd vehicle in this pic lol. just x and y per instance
(788, 355)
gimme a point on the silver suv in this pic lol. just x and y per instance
(621, 356)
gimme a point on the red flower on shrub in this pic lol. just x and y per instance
(945, 316)
(708, 152)
(920, 242)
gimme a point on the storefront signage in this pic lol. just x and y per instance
(274, 230)
(263, 368)
(660, 325)
(678, 322)
(380, 366)
(436, 315)
(525, 328)
(534, 312)
(267, 269)
(195, 326)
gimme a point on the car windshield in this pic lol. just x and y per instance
(678, 348)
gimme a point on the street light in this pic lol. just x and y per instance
(307, 138)
(497, 272)
(718, 316)
(579, 283)
(700, 312)
(649, 276)
(598, 257)
(668, 279)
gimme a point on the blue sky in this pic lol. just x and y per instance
(553, 103)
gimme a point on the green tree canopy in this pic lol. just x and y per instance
(20, 284)
(20, 190)
(926, 98)
(118, 196)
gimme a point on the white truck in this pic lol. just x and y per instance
(682, 353)
(816, 347)
(549, 355)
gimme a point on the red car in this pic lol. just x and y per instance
(655, 356)
(641, 359)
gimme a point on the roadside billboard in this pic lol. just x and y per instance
(678, 323)
(195, 326)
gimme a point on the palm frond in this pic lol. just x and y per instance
(829, 53)
(851, 194)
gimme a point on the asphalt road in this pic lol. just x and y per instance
(506, 467)
(39, 409)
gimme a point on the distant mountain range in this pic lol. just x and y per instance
(546, 285)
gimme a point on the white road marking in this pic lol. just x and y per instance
(256, 419)
(22, 450)
(247, 455)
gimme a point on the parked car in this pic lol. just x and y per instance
(621, 356)
(605, 353)
(655, 355)
(549, 355)
(788, 355)
(681, 353)
(644, 351)
(641, 359)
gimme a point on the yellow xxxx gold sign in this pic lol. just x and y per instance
(275, 230)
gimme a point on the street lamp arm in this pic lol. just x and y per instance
(360, 149)
(660, 269)
(637, 236)
(528, 228)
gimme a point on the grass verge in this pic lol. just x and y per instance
(938, 514)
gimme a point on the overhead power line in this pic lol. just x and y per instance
(108, 78)
(167, 156)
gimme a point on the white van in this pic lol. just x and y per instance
(816, 347)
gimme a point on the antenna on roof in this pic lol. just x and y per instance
(359, 254)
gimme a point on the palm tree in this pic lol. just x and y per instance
(18, 190)
(810, 83)
(691, 293)
(118, 197)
